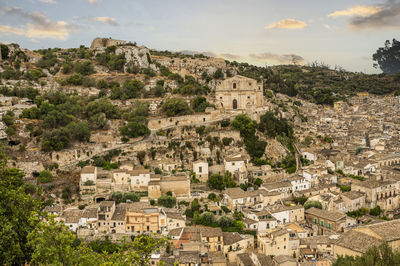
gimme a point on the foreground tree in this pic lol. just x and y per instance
(382, 255)
(16, 205)
(388, 57)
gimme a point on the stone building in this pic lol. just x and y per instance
(142, 217)
(239, 93)
(178, 185)
(105, 42)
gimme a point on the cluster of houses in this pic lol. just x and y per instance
(353, 170)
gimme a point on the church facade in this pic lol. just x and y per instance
(239, 93)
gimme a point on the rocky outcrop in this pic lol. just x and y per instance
(105, 42)
(139, 56)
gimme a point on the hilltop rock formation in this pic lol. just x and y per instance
(105, 42)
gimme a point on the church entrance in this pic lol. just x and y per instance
(234, 104)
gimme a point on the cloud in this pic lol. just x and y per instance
(362, 11)
(231, 56)
(106, 20)
(93, 1)
(278, 58)
(12, 30)
(291, 24)
(48, 1)
(39, 26)
(388, 16)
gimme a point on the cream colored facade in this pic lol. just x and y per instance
(141, 218)
(178, 185)
(239, 93)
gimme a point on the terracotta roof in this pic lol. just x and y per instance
(107, 203)
(245, 259)
(119, 213)
(90, 212)
(357, 241)
(88, 170)
(332, 216)
(235, 193)
(353, 194)
(388, 231)
(231, 238)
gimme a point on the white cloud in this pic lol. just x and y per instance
(48, 1)
(39, 27)
(291, 24)
(93, 1)
(12, 30)
(106, 20)
(362, 11)
(278, 58)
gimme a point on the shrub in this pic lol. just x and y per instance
(45, 176)
(175, 107)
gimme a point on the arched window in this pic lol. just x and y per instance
(234, 104)
(234, 85)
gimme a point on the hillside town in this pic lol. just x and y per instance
(193, 150)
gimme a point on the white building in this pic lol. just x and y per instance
(88, 173)
(200, 168)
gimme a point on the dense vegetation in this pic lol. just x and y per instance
(28, 235)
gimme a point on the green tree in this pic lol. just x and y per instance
(16, 206)
(4, 51)
(84, 68)
(216, 181)
(134, 130)
(199, 104)
(166, 201)
(388, 57)
(175, 107)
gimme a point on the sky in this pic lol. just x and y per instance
(341, 33)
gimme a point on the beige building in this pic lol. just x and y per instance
(160, 185)
(384, 194)
(239, 93)
(275, 243)
(142, 217)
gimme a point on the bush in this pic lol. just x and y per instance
(199, 104)
(176, 107)
(45, 176)
(212, 196)
(312, 203)
(166, 201)
(84, 68)
(216, 181)
(89, 183)
(134, 130)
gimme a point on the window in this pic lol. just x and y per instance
(234, 85)
(233, 164)
(315, 221)
(267, 226)
(200, 169)
(148, 228)
(329, 225)
(322, 223)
